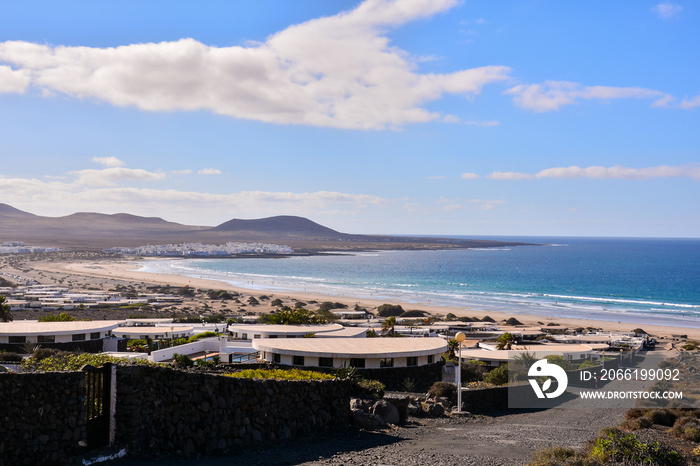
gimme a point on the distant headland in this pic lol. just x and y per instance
(90, 230)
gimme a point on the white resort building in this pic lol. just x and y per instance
(49, 333)
(254, 332)
(367, 353)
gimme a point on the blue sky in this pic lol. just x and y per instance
(387, 117)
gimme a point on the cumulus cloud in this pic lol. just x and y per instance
(551, 95)
(595, 172)
(469, 176)
(667, 10)
(209, 171)
(13, 81)
(108, 161)
(338, 71)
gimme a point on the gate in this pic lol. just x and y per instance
(98, 396)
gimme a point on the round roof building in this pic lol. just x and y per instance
(367, 353)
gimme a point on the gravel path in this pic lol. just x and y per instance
(509, 439)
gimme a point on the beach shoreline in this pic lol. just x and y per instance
(103, 272)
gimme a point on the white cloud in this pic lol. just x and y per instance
(667, 10)
(481, 123)
(338, 71)
(509, 176)
(616, 172)
(109, 176)
(469, 176)
(13, 81)
(551, 95)
(99, 191)
(475, 204)
(485, 204)
(108, 161)
(209, 171)
(690, 103)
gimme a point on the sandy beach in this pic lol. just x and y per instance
(100, 273)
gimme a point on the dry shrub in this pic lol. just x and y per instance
(686, 428)
(636, 423)
(634, 413)
(662, 417)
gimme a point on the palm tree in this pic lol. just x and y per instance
(5, 313)
(388, 327)
(452, 347)
(505, 341)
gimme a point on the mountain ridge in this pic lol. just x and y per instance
(87, 230)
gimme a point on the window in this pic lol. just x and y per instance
(95, 336)
(291, 336)
(358, 363)
(46, 339)
(17, 339)
(412, 361)
(256, 337)
(276, 358)
(430, 359)
(272, 336)
(325, 362)
(79, 337)
(298, 360)
(244, 336)
(386, 362)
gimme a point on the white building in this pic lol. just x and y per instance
(253, 332)
(366, 353)
(55, 332)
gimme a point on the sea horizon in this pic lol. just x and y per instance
(640, 280)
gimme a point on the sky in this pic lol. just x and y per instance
(436, 117)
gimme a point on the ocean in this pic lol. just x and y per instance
(643, 280)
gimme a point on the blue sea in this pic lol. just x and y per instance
(641, 280)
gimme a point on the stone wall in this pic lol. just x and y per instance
(163, 410)
(42, 418)
(394, 378)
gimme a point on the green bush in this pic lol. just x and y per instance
(62, 317)
(75, 361)
(556, 456)
(280, 374)
(199, 336)
(618, 447)
(498, 376)
(182, 360)
(371, 388)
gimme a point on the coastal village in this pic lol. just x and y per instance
(412, 364)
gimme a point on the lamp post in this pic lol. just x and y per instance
(621, 350)
(460, 337)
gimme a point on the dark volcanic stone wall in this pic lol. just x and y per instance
(42, 418)
(163, 410)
